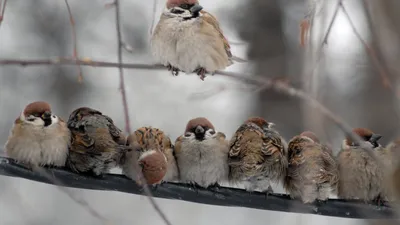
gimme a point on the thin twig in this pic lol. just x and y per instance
(371, 52)
(326, 37)
(267, 83)
(330, 26)
(74, 40)
(155, 3)
(126, 111)
(3, 10)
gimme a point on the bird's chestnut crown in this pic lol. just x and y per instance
(37, 109)
(310, 135)
(200, 128)
(260, 122)
(38, 114)
(366, 135)
(79, 113)
(174, 3)
(185, 9)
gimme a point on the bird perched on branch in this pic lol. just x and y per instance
(202, 154)
(312, 173)
(97, 144)
(155, 156)
(189, 39)
(361, 174)
(38, 137)
(257, 155)
(390, 160)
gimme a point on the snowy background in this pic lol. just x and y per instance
(345, 80)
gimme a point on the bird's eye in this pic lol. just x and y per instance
(185, 6)
(212, 132)
(177, 11)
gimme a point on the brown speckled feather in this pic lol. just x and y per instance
(209, 18)
(150, 138)
(254, 153)
(312, 172)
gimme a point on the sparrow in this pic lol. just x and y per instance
(389, 157)
(394, 148)
(156, 154)
(202, 154)
(189, 39)
(360, 173)
(314, 137)
(38, 137)
(97, 145)
(312, 172)
(257, 155)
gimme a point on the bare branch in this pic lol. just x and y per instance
(217, 196)
(3, 10)
(266, 83)
(371, 52)
(74, 40)
(328, 32)
(126, 111)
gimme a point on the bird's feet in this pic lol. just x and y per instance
(269, 190)
(379, 201)
(201, 72)
(215, 186)
(320, 202)
(174, 70)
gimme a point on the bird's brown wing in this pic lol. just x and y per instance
(209, 18)
(82, 143)
(178, 144)
(245, 141)
(115, 132)
(331, 172)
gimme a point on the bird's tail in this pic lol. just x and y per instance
(238, 59)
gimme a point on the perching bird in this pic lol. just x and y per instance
(189, 39)
(38, 137)
(97, 144)
(314, 137)
(312, 173)
(390, 160)
(202, 154)
(257, 155)
(157, 150)
(394, 148)
(361, 175)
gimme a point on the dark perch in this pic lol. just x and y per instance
(221, 196)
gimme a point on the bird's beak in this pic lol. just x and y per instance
(196, 8)
(375, 138)
(199, 130)
(46, 115)
(271, 125)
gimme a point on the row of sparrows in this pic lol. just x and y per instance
(189, 39)
(255, 156)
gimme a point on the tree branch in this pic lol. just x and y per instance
(221, 196)
(371, 51)
(74, 40)
(3, 10)
(263, 82)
